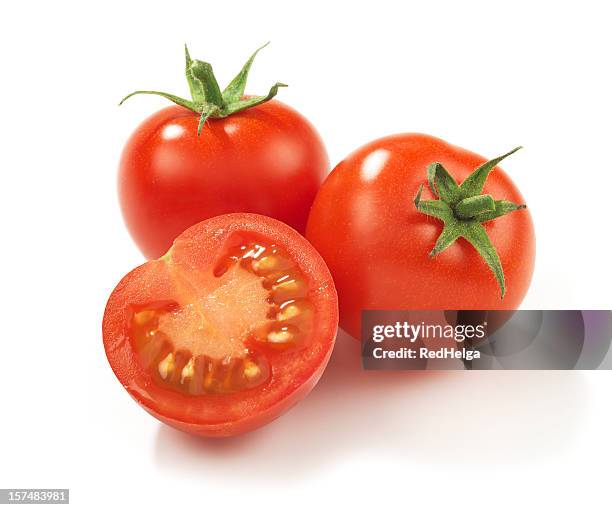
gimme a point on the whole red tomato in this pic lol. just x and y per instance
(228, 330)
(401, 226)
(217, 153)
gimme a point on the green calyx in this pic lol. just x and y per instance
(207, 100)
(463, 209)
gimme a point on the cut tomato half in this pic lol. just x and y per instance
(226, 331)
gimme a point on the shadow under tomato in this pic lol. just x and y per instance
(462, 417)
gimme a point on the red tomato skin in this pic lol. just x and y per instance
(248, 424)
(238, 413)
(376, 244)
(267, 160)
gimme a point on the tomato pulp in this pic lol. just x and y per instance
(226, 331)
(378, 244)
(268, 160)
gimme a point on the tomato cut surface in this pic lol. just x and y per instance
(226, 331)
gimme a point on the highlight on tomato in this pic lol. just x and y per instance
(218, 152)
(226, 331)
(412, 222)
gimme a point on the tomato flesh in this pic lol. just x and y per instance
(223, 337)
(255, 298)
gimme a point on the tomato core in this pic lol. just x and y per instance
(216, 336)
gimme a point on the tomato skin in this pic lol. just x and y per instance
(376, 244)
(267, 160)
(248, 424)
(293, 376)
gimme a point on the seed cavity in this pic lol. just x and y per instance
(209, 373)
(265, 264)
(179, 366)
(144, 317)
(254, 251)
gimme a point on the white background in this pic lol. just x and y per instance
(484, 75)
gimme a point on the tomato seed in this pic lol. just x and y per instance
(198, 374)
(284, 335)
(188, 370)
(166, 366)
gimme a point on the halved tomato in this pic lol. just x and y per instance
(226, 331)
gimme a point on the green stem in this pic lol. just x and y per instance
(195, 87)
(175, 99)
(463, 210)
(207, 100)
(203, 72)
(472, 206)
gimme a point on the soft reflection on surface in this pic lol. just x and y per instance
(230, 128)
(172, 131)
(373, 164)
(427, 417)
